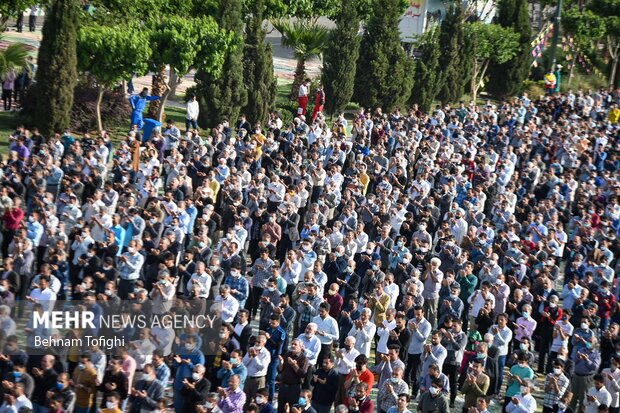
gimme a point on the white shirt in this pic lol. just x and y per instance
(47, 298)
(527, 404)
(23, 401)
(229, 309)
(502, 339)
(164, 338)
(363, 337)
(612, 385)
(392, 290)
(477, 301)
(257, 366)
(558, 343)
(383, 332)
(203, 283)
(192, 110)
(347, 362)
(601, 396)
(329, 326)
(303, 90)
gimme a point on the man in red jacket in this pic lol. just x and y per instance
(12, 220)
(319, 102)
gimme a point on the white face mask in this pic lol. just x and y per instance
(209, 405)
(584, 326)
(109, 405)
(524, 389)
(434, 391)
(196, 376)
(260, 400)
(557, 371)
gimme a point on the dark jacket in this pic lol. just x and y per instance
(197, 395)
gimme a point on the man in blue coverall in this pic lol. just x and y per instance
(138, 104)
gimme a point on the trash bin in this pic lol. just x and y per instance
(149, 126)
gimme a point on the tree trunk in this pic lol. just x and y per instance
(98, 107)
(614, 66)
(571, 71)
(158, 88)
(160, 111)
(300, 75)
(174, 82)
(474, 81)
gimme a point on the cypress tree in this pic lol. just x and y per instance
(340, 58)
(428, 78)
(453, 61)
(384, 71)
(224, 96)
(258, 67)
(57, 63)
(507, 79)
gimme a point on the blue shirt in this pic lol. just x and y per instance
(224, 375)
(162, 374)
(184, 371)
(241, 285)
(275, 341)
(35, 232)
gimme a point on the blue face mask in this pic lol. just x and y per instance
(59, 385)
(17, 374)
(302, 401)
(588, 345)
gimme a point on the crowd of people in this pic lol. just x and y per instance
(465, 255)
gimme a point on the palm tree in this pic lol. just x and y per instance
(13, 57)
(307, 39)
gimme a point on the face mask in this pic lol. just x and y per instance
(195, 376)
(480, 355)
(260, 400)
(109, 405)
(524, 389)
(2, 288)
(59, 385)
(394, 380)
(222, 335)
(434, 391)
(108, 292)
(234, 362)
(526, 314)
(588, 345)
(552, 305)
(271, 289)
(131, 250)
(557, 371)
(209, 405)
(189, 346)
(146, 377)
(523, 347)
(235, 274)
(302, 401)
(584, 326)
(375, 267)
(81, 366)
(348, 269)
